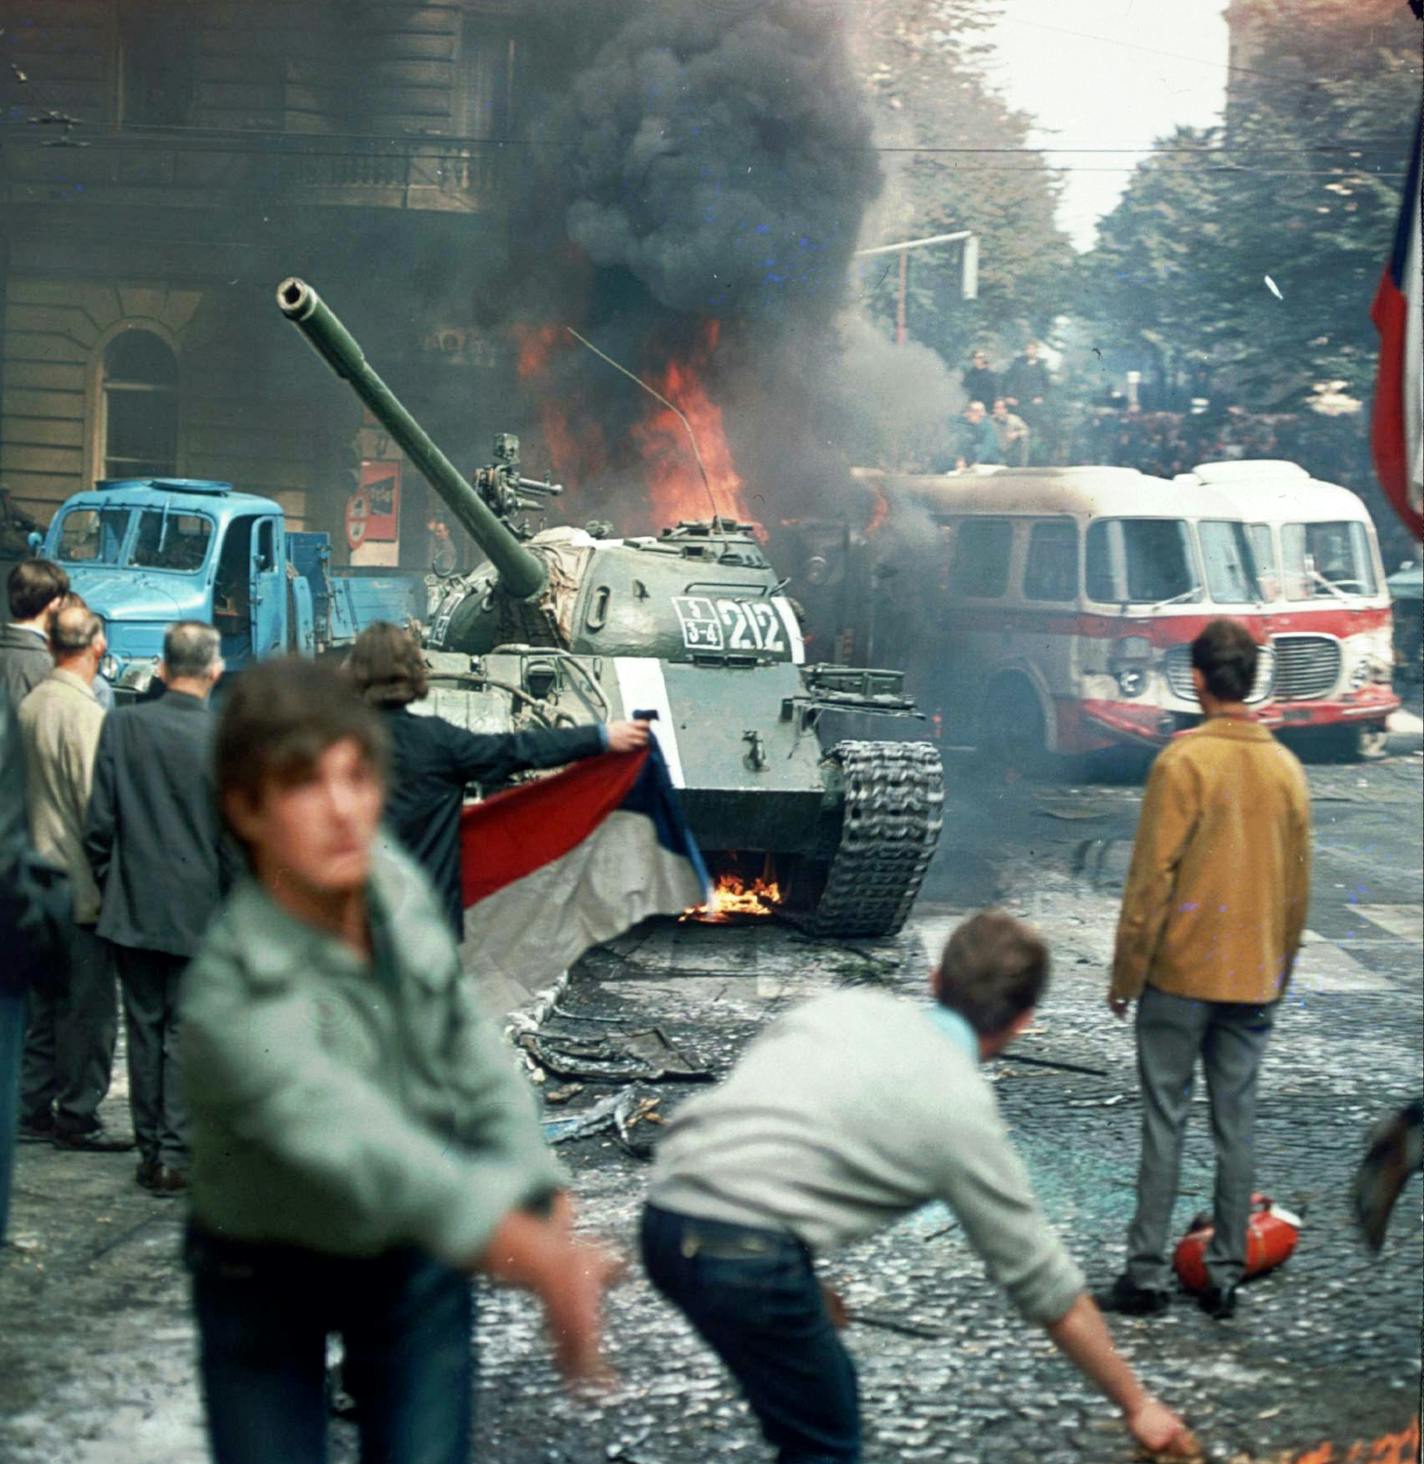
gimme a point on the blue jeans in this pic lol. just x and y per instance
(264, 1313)
(753, 1297)
(12, 1044)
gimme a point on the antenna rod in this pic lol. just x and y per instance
(658, 396)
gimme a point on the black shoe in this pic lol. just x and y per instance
(161, 1179)
(1218, 1302)
(39, 1130)
(96, 1140)
(1128, 1299)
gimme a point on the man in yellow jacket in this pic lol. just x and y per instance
(1212, 917)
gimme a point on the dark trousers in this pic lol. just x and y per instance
(1230, 1037)
(69, 1040)
(149, 981)
(753, 1297)
(264, 1313)
(12, 1044)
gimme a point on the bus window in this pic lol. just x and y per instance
(1141, 561)
(1326, 559)
(92, 535)
(171, 540)
(979, 568)
(1052, 569)
(1263, 551)
(1227, 559)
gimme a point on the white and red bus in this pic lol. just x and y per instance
(1327, 607)
(1070, 598)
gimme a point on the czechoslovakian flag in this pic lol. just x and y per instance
(1397, 428)
(559, 864)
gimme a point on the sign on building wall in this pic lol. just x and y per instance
(373, 514)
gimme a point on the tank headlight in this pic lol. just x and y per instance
(1132, 682)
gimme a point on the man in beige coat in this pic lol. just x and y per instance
(72, 1026)
(1212, 917)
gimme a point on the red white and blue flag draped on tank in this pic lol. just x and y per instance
(1397, 429)
(559, 864)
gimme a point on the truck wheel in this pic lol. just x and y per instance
(1370, 742)
(1011, 727)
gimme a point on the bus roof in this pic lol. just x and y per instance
(1271, 491)
(1096, 492)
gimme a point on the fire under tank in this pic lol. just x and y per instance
(561, 627)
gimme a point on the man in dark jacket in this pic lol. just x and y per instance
(434, 761)
(1027, 386)
(35, 589)
(980, 383)
(153, 840)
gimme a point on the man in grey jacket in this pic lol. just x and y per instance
(70, 1035)
(361, 1140)
(34, 589)
(851, 1111)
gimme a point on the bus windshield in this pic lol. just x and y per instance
(92, 535)
(1141, 560)
(1230, 572)
(1329, 559)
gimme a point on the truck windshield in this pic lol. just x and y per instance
(92, 535)
(1230, 576)
(168, 540)
(1141, 560)
(1323, 561)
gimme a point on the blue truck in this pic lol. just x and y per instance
(145, 552)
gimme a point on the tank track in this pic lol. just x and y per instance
(894, 807)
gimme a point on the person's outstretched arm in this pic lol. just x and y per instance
(1081, 1335)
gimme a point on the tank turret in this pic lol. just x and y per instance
(522, 575)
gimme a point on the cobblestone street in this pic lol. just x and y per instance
(96, 1361)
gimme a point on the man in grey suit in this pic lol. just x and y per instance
(35, 589)
(153, 841)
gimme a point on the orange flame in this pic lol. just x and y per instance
(732, 897)
(878, 514)
(1394, 1448)
(577, 451)
(675, 484)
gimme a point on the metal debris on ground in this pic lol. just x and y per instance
(622, 1112)
(646, 1055)
(556, 1096)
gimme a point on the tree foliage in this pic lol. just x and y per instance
(1301, 184)
(926, 65)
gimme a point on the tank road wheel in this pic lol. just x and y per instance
(1011, 726)
(893, 809)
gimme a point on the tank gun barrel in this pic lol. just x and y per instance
(522, 574)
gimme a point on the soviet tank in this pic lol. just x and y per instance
(562, 626)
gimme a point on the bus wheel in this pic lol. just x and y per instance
(1012, 733)
(1361, 742)
(1370, 741)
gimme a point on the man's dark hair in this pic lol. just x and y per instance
(33, 584)
(993, 969)
(73, 630)
(386, 666)
(279, 718)
(190, 648)
(1226, 656)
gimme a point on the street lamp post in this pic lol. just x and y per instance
(968, 272)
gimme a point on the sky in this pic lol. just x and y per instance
(1109, 74)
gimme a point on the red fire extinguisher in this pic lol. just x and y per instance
(1271, 1234)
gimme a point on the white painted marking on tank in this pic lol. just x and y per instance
(641, 686)
(793, 629)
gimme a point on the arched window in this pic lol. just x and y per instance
(138, 407)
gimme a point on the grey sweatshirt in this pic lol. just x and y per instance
(849, 1112)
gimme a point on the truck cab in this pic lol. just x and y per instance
(145, 552)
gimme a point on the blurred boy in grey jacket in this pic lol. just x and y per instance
(361, 1141)
(851, 1111)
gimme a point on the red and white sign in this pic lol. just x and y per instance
(358, 514)
(381, 485)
